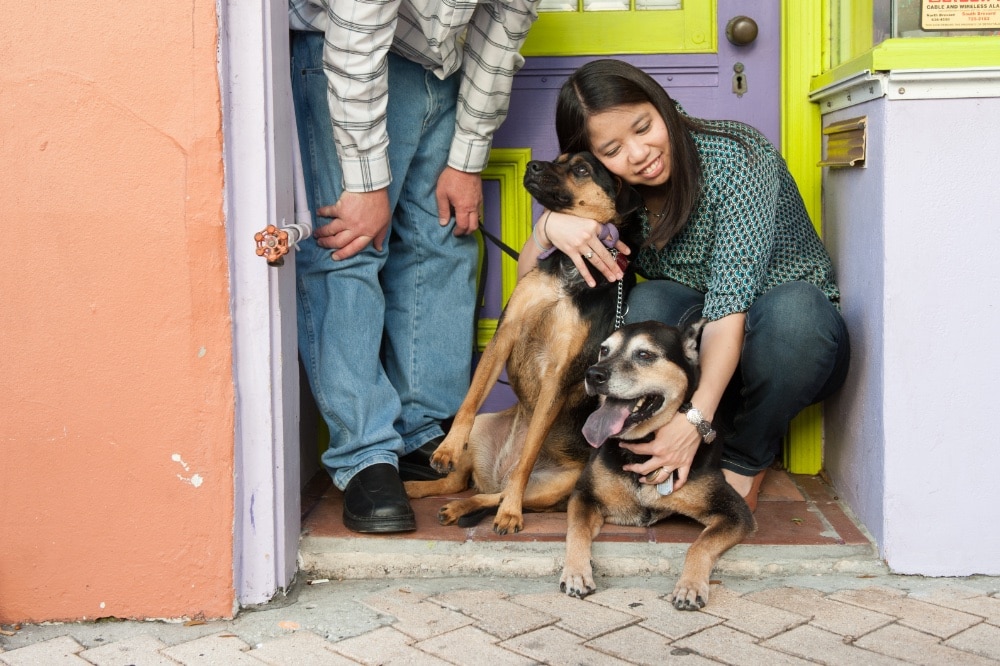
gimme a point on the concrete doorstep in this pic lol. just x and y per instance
(342, 558)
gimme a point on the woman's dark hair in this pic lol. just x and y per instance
(604, 84)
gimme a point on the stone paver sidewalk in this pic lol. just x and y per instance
(827, 619)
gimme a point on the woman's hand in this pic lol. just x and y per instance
(673, 447)
(579, 239)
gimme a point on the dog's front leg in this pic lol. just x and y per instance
(448, 454)
(583, 524)
(721, 533)
(510, 516)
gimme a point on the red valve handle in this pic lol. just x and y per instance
(272, 243)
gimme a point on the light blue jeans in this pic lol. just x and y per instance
(385, 337)
(796, 352)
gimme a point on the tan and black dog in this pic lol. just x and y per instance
(644, 374)
(529, 456)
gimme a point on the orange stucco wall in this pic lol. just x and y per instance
(116, 438)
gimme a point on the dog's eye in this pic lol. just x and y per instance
(602, 352)
(644, 355)
(581, 170)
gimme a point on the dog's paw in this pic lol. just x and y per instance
(444, 458)
(690, 595)
(508, 523)
(449, 514)
(442, 464)
(577, 583)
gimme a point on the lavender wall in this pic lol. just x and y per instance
(912, 440)
(853, 210)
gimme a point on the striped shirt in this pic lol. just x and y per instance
(750, 231)
(482, 39)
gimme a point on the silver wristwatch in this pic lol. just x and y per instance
(698, 420)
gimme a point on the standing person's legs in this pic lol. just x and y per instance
(429, 276)
(340, 324)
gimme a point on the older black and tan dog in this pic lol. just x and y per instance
(644, 375)
(529, 456)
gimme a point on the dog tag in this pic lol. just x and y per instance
(667, 486)
(622, 261)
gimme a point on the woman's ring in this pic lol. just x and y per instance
(589, 255)
(656, 475)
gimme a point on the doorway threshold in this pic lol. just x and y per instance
(802, 528)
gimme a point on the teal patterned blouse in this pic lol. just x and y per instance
(750, 230)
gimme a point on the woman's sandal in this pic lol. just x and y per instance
(751, 497)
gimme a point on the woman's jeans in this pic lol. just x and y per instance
(795, 352)
(385, 337)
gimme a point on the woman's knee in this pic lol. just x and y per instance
(665, 301)
(792, 314)
(795, 327)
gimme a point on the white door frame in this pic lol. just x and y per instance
(257, 122)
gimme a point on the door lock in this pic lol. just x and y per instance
(739, 80)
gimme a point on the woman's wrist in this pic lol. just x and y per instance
(543, 251)
(534, 232)
(702, 424)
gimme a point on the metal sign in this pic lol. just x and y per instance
(960, 15)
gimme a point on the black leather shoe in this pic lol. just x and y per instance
(416, 465)
(375, 501)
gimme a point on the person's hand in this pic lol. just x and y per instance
(459, 194)
(673, 447)
(358, 218)
(579, 239)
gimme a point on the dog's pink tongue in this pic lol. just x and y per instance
(608, 420)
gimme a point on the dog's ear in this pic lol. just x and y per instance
(627, 199)
(691, 337)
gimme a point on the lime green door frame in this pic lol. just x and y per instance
(803, 50)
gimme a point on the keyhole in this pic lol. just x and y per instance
(739, 80)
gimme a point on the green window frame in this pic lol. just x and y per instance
(690, 29)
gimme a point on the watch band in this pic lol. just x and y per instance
(698, 420)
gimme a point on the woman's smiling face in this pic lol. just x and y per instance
(632, 142)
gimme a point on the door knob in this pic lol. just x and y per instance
(741, 30)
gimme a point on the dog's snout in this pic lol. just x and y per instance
(536, 176)
(597, 375)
